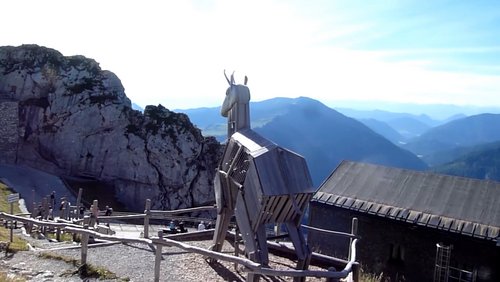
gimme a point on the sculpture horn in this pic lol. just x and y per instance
(227, 78)
(232, 78)
(246, 80)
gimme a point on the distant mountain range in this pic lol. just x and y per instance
(384, 129)
(440, 112)
(406, 125)
(483, 163)
(326, 136)
(322, 135)
(464, 132)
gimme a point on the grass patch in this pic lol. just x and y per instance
(4, 206)
(5, 278)
(65, 237)
(18, 244)
(47, 255)
(370, 277)
(84, 271)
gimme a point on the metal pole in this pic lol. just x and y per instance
(354, 231)
(355, 268)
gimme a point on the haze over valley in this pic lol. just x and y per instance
(326, 136)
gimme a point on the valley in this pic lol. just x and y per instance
(405, 140)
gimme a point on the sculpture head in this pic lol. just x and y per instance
(235, 94)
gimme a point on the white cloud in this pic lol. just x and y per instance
(174, 52)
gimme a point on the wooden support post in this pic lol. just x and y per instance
(85, 240)
(58, 234)
(158, 258)
(355, 272)
(236, 246)
(29, 227)
(147, 211)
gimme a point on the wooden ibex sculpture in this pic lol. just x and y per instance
(260, 183)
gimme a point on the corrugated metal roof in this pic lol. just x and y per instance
(456, 204)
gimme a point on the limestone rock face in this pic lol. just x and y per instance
(75, 119)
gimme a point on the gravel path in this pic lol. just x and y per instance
(131, 262)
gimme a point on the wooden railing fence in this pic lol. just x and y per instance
(86, 230)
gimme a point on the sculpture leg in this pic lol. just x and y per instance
(247, 234)
(225, 210)
(221, 227)
(303, 251)
(262, 239)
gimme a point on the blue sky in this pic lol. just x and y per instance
(174, 52)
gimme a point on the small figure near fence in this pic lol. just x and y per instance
(82, 211)
(172, 228)
(51, 213)
(201, 226)
(53, 198)
(109, 211)
(182, 229)
(39, 213)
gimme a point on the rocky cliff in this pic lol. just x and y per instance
(75, 120)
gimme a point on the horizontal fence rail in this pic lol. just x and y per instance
(157, 243)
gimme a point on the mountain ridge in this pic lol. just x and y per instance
(468, 131)
(301, 125)
(483, 163)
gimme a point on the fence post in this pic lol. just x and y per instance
(58, 234)
(355, 272)
(147, 211)
(85, 240)
(158, 257)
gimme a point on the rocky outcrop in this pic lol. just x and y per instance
(75, 119)
(8, 130)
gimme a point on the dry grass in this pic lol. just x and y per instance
(5, 278)
(87, 270)
(18, 244)
(370, 277)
